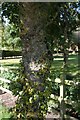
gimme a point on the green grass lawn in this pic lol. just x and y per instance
(4, 114)
(8, 63)
(57, 63)
(72, 64)
(56, 68)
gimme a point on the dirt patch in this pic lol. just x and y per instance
(8, 100)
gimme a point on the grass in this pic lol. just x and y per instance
(4, 114)
(58, 62)
(10, 62)
(56, 68)
(72, 64)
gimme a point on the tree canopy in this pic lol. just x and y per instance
(11, 39)
(58, 16)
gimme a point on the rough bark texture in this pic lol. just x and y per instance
(34, 48)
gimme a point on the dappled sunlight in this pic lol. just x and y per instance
(36, 66)
(9, 61)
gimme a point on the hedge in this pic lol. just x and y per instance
(6, 53)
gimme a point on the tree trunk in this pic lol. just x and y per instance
(34, 48)
(34, 54)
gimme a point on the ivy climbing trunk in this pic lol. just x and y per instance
(34, 55)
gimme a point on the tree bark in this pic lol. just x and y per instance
(34, 48)
(34, 53)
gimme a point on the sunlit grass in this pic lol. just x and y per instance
(4, 114)
(9, 61)
(57, 65)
